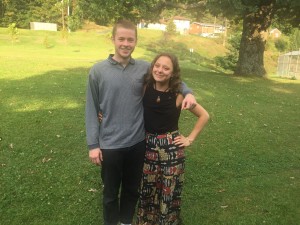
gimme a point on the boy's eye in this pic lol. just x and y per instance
(130, 40)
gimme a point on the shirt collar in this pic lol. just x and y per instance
(114, 62)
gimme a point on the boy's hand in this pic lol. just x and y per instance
(189, 102)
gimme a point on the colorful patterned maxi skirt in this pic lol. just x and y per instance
(161, 185)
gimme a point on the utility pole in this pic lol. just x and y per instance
(225, 33)
(68, 8)
(63, 5)
(62, 14)
(68, 15)
(215, 21)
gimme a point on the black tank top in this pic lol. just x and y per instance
(160, 117)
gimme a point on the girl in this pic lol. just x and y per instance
(163, 171)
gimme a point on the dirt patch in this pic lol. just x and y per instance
(93, 27)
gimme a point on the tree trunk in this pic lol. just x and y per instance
(252, 46)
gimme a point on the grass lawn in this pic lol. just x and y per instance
(244, 168)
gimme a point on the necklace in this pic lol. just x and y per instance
(158, 97)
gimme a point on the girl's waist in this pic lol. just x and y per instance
(163, 135)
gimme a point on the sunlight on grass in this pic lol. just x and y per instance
(282, 90)
(245, 79)
(38, 105)
(285, 80)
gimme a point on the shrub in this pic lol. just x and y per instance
(171, 28)
(76, 20)
(295, 40)
(229, 61)
(281, 45)
(13, 32)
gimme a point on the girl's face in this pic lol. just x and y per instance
(162, 70)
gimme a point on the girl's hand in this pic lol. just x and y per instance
(182, 141)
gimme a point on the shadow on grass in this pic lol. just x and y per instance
(46, 177)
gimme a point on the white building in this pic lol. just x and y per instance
(43, 26)
(182, 25)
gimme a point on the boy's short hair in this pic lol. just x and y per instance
(127, 24)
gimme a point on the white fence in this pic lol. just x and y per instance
(289, 65)
(43, 26)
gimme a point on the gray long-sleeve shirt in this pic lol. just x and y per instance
(117, 92)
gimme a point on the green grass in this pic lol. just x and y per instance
(243, 169)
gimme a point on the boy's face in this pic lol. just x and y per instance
(125, 42)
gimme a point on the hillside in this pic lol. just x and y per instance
(150, 41)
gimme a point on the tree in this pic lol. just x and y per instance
(22, 12)
(295, 40)
(281, 44)
(257, 16)
(15, 11)
(45, 11)
(76, 19)
(105, 12)
(2, 8)
(13, 32)
(171, 28)
(62, 7)
(229, 61)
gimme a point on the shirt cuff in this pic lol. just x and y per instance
(93, 146)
